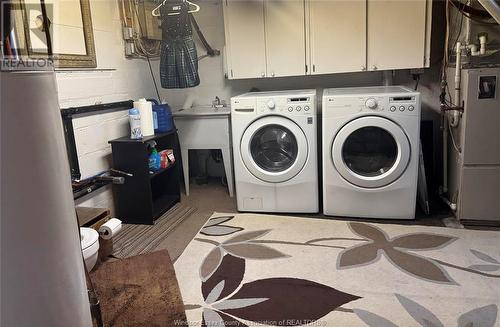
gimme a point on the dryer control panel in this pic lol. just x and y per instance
(393, 104)
(376, 103)
(402, 103)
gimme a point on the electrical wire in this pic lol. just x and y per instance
(444, 64)
(143, 47)
(445, 87)
(457, 148)
(459, 31)
(470, 15)
(471, 10)
(148, 59)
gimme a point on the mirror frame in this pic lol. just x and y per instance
(64, 60)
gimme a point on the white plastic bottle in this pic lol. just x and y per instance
(135, 123)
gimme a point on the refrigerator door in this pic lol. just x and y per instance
(42, 276)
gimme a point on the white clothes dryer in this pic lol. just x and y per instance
(370, 152)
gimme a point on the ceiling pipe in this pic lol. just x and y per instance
(492, 7)
(388, 77)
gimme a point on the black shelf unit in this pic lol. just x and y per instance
(145, 196)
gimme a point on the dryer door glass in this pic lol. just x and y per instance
(274, 148)
(370, 151)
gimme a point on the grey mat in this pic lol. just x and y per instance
(138, 239)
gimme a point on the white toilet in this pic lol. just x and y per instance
(90, 246)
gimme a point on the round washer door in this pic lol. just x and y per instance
(274, 149)
(371, 152)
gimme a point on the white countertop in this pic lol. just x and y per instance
(202, 111)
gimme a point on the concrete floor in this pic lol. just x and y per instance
(213, 197)
(207, 199)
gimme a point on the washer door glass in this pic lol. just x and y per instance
(370, 151)
(274, 148)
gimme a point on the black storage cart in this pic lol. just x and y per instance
(145, 196)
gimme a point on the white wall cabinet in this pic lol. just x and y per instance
(396, 34)
(337, 36)
(264, 38)
(273, 38)
(285, 38)
(245, 38)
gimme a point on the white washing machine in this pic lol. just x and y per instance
(275, 151)
(370, 152)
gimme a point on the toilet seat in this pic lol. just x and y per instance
(89, 237)
(90, 246)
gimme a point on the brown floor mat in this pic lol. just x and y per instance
(139, 291)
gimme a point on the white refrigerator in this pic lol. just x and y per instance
(42, 273)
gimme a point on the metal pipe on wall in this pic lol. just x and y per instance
(492, 8)
(444, 126)
(455, 116)
(388, 77)
(43, 277)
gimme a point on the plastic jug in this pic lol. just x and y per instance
(162, 117)
(135, 123)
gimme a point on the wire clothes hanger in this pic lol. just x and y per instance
(156, 11)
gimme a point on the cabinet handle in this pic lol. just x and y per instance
(363, 68)
(272, 74)
(262, 75)
(374, 67)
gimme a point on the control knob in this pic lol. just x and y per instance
(371, 103)
(271, 104)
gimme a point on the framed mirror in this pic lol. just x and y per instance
(71, 33)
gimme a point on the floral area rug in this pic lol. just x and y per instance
(263, 270)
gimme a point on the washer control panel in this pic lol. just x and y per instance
(286, 103)
(371, 103)
(300, 105)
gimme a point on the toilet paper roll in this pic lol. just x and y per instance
(110, 228)
(146, 110)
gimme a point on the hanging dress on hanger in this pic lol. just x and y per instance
(179, 58)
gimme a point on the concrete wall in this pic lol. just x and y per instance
(115, 79)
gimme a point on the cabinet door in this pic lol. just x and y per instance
(285, 38)
(338, 36)
(396, 34)
(245, 38)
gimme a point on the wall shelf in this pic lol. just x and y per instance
(161, 171)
